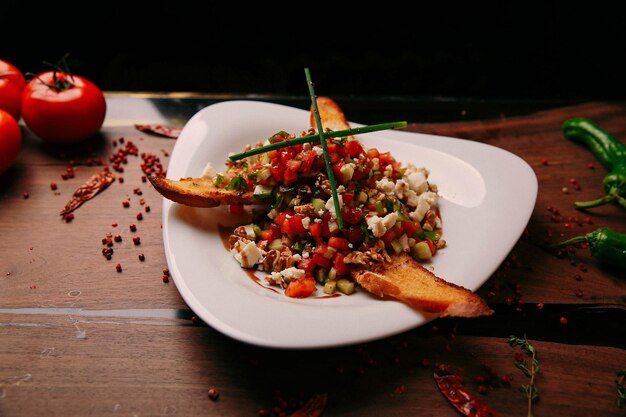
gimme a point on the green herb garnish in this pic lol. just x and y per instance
(238, 183)
(320, 129)
(621, 390)
(316, 137)
(530, 390)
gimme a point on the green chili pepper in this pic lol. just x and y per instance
(606, 245)
(609, 151)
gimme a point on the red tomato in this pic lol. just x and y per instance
(339, 243)
(62, 108)
(12, 83)
(301, 288)
(10, 140)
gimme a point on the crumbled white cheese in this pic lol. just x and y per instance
(401, 188)
(404, 241)
(385, 185)
(425, 202)
(341, 189)
(297, 257)
(388, 171)
(375, 224)
(417, 182)
(390, 220)
(330, 204)
(306, 222)
(249, 232)
(380, 225)
(306, 146)
(249, 255)
(318, 150)
(287, 275)
(411, 198)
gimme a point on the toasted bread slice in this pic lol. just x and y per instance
(406, 280)
(198, 192)
(331, 115)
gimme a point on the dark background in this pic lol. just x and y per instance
(515, 50)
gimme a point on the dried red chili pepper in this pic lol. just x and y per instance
(88, 190)
(460, 397)
(167, 131)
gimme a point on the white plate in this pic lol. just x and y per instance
(488, 195)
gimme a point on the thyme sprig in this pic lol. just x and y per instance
(621, 390)
(530, 390)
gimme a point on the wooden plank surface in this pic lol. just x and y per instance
(79, 338)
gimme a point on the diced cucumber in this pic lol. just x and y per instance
(276, 244)
(333, 226)
(396, 245)
(318, 204)
(321, 275)
(422, 251)
(345, 286)
(257, 231)
(330, 287)
(294, 202)
(265, 158)
(347, 171)
(380, 209)
(332, 274)
(262, 191)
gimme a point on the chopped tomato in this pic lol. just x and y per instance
(267, 235)
(385, 158)
(355, 234)
(339, 264)
(337, 171)
(347, 198)
(431, 246)
(307, 162)
(293, 225)
(410, 227)
(352, 215)
(353, 148)
(290, 176)
(315, 229)
(280, 218)
(301, 287)
(277, 171)
(320, 260)
(276, 232)
(293, 165)
(307, 264)
(373, 153)
(339, 243)
(389, 236)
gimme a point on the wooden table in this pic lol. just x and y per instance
(78, 338)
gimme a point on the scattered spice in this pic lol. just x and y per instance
(139, 216)
(118, 238)
(136, 240)
(68, 217)
(53, 186)
(25, 195)
(85, 192)
(160, 130)
(467, 403)
(563, 320)
(166, 279)
(530, 390)
(213, 394)
(132, 227)
(126, 203)
(142, 257)
(118, 268)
